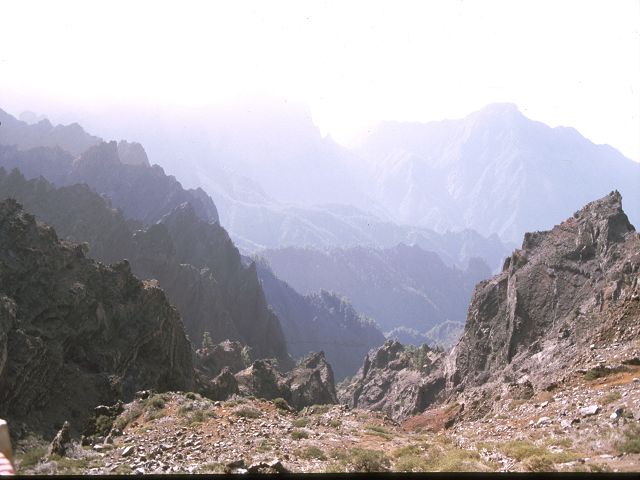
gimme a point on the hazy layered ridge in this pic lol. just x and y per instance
(494, 171)
(400, 286)
(121, 171)
(194, 262)
(320, 322)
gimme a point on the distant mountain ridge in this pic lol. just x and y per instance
(121, 171)
(321, 321)
(400, 286)
(494, 171)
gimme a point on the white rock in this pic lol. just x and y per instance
(590, 410)
(543, 421)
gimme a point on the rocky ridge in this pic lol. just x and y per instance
(531, 328)
(76, 333)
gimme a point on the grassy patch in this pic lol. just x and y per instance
(521, 449)
(359, 460)
(335, 423)
(70, 466)
(311, 453)
(31, 458)
(299, 434)
(455, 460)
(266, 445)
(319, 409)
(406, 451)
(247, 412)
(411, 463)
(538, 463)
(212, 467)
(600, 372)
(611, 397)
(535, 458)
(560, 442)
(379, 431)
(631, 439)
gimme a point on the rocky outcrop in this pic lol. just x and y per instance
(262, 380)
(320, 322)
(554, 298)
(132, 153)
(213, 359)
(397, 380)
(309, 383)
(76, 333)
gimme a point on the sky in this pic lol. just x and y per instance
(355, 63)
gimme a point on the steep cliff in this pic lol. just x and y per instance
(555, 297)
(76, 333)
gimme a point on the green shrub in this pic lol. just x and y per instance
(411, 463)
(631, 442)
(335, 423)
(521, 449)
(366, 460)
(103, 425)
(379, 431)
(247, 412)
(299, 434)
(31, 458)
(156, 402)
(301, 422)
(281, 404)
(190, 395)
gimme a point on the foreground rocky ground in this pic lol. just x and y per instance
(590, 423)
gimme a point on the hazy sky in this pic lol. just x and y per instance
(574, 63)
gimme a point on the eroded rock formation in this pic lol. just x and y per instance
(76, 333)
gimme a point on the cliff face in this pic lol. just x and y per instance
(75, 333)
(195, 262)
(201, 270)
(397, 380)
(560, 293)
